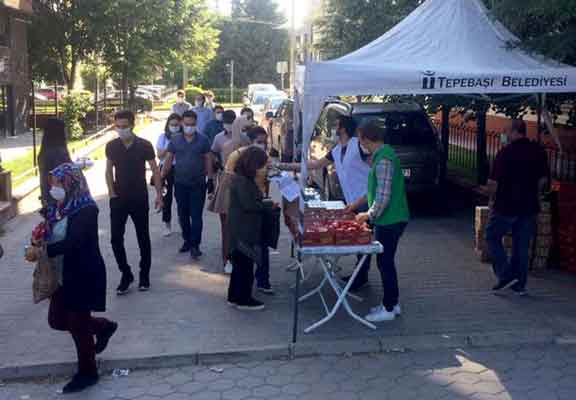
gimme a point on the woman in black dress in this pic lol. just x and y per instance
(53, 152)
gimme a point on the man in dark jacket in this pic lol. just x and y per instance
(518, 178)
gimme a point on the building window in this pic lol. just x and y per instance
(4, 30)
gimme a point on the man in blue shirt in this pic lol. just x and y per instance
(203, 113)
(215, 126)
(193, 166)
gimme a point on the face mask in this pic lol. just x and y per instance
(228, 127)
(189, 130)
(57, 193)
(199, 103)
(180, 100)
(124, 133)
(504, 139)
(174, 129)
(219, 116)
(260, 145)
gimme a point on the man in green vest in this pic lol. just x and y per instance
(388, 213)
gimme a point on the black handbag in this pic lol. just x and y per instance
(271, 227)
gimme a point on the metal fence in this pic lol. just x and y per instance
(462, 154)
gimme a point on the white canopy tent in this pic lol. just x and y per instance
(442, 47)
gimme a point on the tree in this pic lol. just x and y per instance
(60, 37)
(140, 37)
(253, 37)
(348, 25)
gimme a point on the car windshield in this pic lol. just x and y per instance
(275, 103)
(259, 100)
(403, 128)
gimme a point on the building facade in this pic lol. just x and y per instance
(15, 84)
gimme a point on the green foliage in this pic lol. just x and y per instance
(222, 95)
(253, 39)
(60, 37)
(192, 92)
(90, 72)
(75, 106)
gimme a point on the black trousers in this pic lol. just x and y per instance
(137, 210)
(242, 278)
(168, 197)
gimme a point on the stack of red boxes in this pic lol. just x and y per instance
(566, 195)
(324, 227)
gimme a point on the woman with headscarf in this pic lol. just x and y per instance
(72, 239)
(53, 152)
(219, 204)
(245, 216)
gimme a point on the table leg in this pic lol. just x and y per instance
(296, 305)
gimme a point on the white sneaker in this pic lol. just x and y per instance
(228, 268)
(397, 309)
(381, 315)
(167, 231)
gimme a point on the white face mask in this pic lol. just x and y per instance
(180, 100)
(228, 127)
(260, 145)
(219, 116)
(199, 103)
(124, 133)
(174, 129)
(57, 193)
(189, 130)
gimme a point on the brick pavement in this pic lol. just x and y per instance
(445, 298)
(507, 373)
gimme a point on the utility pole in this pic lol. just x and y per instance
(231, 66)
(293, 49)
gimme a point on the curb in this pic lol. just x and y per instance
(349, 347)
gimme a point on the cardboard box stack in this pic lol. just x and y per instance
(539, 249)
(566, 195)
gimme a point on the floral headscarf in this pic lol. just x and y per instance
(77, 193)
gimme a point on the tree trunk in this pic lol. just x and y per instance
(72, 77)
(132, 101)
(125, 85)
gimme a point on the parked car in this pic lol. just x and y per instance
(282, 133)
(270, 107)
(260, 87)
(410, 133)
(259, 99)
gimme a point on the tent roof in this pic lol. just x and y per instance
(441, 38)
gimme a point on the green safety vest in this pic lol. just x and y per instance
(397, 210)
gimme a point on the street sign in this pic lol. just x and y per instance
(282, 67)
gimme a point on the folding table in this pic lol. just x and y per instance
(327, 257)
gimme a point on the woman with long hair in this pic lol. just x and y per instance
(173, 127)
(245, 217)
(53, 152)
(72, 241)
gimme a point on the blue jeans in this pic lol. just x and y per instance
(523, 230)
(190, 200)
(389, 236)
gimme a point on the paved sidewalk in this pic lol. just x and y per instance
(445, 297)
(518, 373)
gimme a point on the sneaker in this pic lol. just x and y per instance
(228, 268)
(167, 231)
(397, 309)
(232, 303)
(103, 337)
(144, 285)
(186, 247)
(79, 383)
(381, 315)
(358, 283)
(125, 283)
(266, 289)
(519, 291)
(250, 305)
(504, 284)
(195, 252)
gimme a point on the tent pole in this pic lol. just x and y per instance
(445, 134)
(539, 111)
(481, 147)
